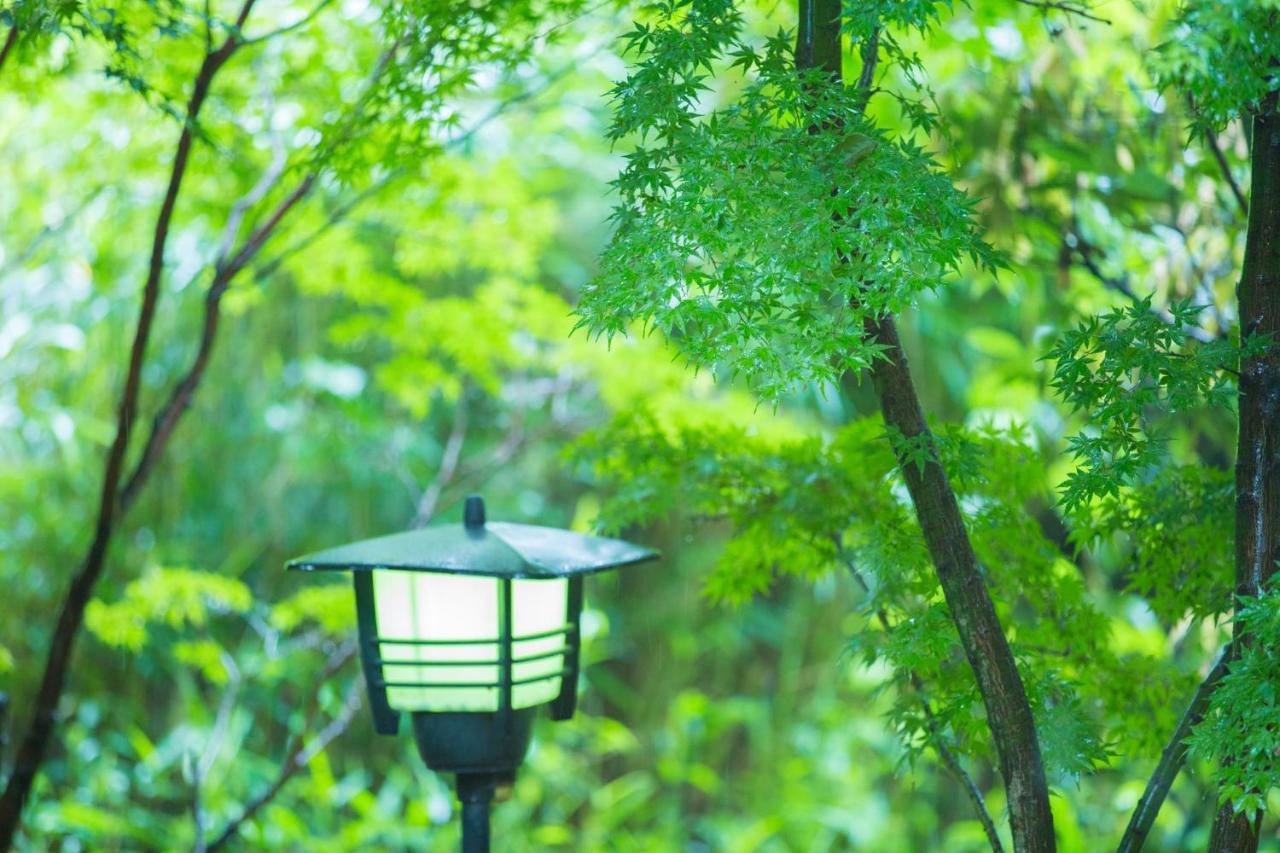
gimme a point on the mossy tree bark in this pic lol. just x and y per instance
(1258, 443)
(986, 647)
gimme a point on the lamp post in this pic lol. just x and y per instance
(471, 628)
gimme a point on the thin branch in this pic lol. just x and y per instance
(238, 210)
(1225, 168)
(34, 745)
(870, 57)
(288, 28)
(259, 236)
(48, 231)
(345, 208)
(1171, 761)
(1069, 8)
(448, 465)
(869, 53)
(303, 749)
(339, 213)
(171, 413)
(9, 41)
(507, 103)
(517, 436)
(1079, 247)
(223, 719)
(952, 763)
(266, 182)
(949, 758)
(547, 33)
(197, 814)
(336, 726)
(204, 763)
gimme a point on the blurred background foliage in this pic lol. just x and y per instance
(405, 340)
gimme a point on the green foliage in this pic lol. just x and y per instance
(177, 598)
(1126, 369)
(205, 656)
(1222, 54)
(1180, 522)
(1135, 375)
(1241, 729)
(430, 53)
(808, 508)
(860, 20)
(36, 23)
(750, 241)
(419, 300)
(331, 606)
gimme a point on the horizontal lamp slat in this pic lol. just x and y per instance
(468, 685)
(381, 661)
(557, 632)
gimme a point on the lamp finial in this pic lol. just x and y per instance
(473, 512)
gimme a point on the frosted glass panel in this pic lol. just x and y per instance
(537, 607)
(417, 605)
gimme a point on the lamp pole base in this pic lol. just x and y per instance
(475, 792)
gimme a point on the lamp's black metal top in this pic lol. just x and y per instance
(496, 549)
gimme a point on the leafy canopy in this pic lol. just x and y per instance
(810, 507)
(751, 241)
(1223, 55)
(1242, 726)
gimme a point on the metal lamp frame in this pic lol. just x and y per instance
(386, 720)
(483, 748)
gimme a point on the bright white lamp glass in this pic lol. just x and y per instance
(427, 606)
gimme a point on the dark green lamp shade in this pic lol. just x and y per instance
(471, 618)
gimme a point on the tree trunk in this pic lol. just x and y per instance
(1171, 761)
(1008, 711)
(34, 745)
(1004, 697)
(1258, 446)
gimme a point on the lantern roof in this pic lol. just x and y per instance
(475, 547)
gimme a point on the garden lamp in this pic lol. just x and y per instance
(471, 628)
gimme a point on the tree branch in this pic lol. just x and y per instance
(270, 176)
(339, 213)
(288, 28)
(205, 762)
(1257, 487)
(1069, 8)
(949, 758)
(31, 753)
(344, 209)
(981, 634)
(48, 231)
(10, 39)
(1171, 761)
(1077, 246)
(175, 407)
(952, 763)
(303, 750)
(870, 53)
(448, 465)
(942, 525)
(1225, 168)
(517, 436)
